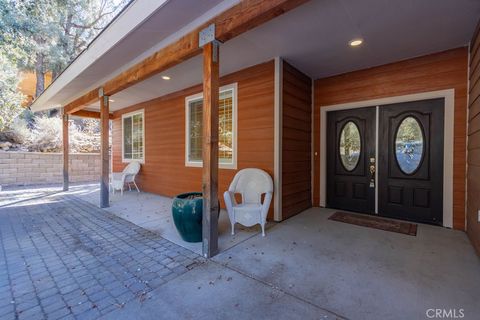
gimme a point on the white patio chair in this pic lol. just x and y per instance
(127, 176)
(251, 184)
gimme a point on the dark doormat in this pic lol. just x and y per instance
(375, 222)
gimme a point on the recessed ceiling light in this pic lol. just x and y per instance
(166, 78)
(111, 100)
(355, 42)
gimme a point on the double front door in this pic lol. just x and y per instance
(387, 160)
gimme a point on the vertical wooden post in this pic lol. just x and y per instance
(65, 150)
(210, 148)
(105, 172)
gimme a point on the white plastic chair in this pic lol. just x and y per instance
(127, 176)
(251, 184)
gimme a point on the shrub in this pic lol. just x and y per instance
(46, 135)
(10, 98)
(85, 136)
(21, 133)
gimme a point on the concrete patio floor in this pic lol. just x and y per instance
(364, 273)
(307, 267)
(154, 213)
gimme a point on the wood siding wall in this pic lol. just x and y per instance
(444, 70)
(164, 171)
(296, 142)
(473, 176)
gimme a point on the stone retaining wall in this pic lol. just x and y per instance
(26, 168)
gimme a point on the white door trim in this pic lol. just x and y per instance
(448, 95)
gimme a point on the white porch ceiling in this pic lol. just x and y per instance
(314, 37)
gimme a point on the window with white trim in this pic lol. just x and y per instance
(226, 133)
(133, 136)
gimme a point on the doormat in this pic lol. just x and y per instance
(376, 223)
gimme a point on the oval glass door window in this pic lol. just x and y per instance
(409, 145)
(350, 145)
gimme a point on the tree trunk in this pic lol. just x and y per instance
(40, 75)
(55, 73)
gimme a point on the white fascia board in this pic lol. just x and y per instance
(129, 19)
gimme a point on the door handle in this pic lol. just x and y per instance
(372, 172)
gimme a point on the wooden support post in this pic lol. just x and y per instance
(65, 150)
(104, 150)
(210, 148)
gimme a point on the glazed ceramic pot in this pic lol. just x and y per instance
(187, 215)
(187, 212)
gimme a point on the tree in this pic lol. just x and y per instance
(80, 21)
(10, 99)
(46, 35)
(30, 31)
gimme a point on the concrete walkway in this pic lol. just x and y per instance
(213, 291)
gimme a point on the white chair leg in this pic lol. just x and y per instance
(233, 229)
(129, 187)
(136, 186)
(263, 229)
(121, 191)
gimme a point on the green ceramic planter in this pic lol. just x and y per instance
(187, 211)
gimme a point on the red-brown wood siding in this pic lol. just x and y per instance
(473, 175)
(164, 171)
(444, 70)
(296, 142)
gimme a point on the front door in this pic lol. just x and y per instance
(410, 166)
(350, 182)
(407, 138)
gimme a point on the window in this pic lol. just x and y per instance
(350, 146)
(133, 136)
(409, 145)
(226, 133)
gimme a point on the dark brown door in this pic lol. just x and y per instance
(410, 164)
(351, 147)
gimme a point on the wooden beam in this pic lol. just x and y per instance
(170, 56)
(249, 14)
(89, 114)
(242, 17)
(210, 149)
(82, 102)
(104, 151)
(66, 150)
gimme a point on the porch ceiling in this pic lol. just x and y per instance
(314, 37)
